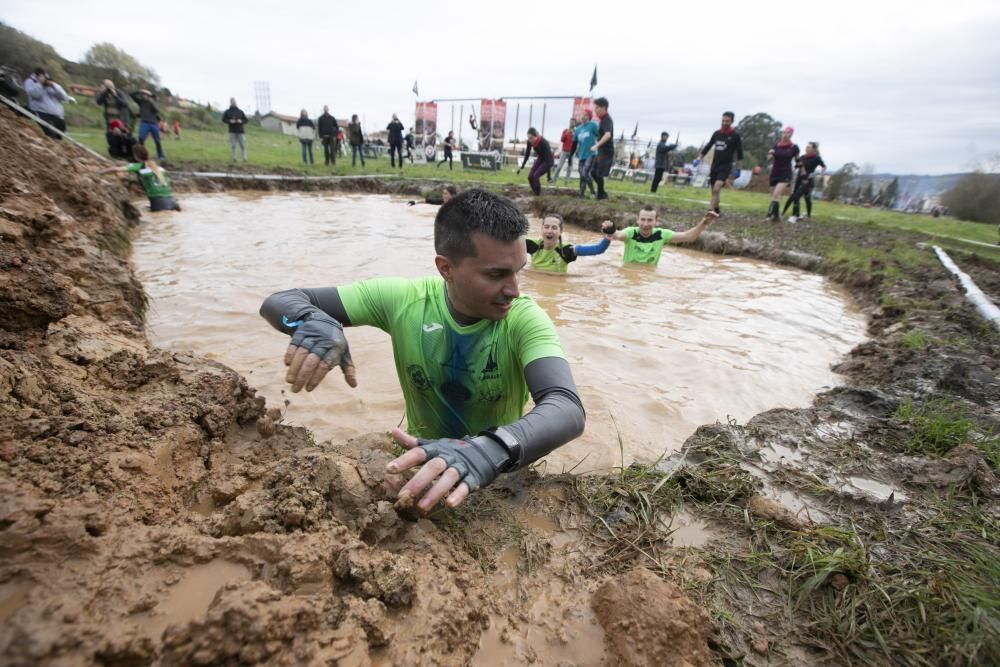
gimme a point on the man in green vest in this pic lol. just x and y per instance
(549, 253)
(469, 350)
(644, 242)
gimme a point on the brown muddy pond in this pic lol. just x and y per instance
(655, 352)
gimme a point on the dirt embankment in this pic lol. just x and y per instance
(154, 510)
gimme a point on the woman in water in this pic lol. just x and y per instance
(549, 253)
(152, 178)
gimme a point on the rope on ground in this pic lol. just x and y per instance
(17, 107)
(973, 294)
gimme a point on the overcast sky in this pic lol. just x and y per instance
(893, 84)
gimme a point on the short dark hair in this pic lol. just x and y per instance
(475, 211)
(731, 115)
(140, 153)
(601, 102)
(451, 189)
(649, 207)
(40, 70)
(532, 131)
(664, 134)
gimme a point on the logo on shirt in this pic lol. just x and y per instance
(490, 371)
(418, 377)
(432, 327)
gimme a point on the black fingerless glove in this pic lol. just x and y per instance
(608, 229)
(322, 335)
(478, 459)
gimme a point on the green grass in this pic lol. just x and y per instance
(939, 425)
(915, 339)
(271, 151)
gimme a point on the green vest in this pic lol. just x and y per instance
(639, 250)
(548, 260)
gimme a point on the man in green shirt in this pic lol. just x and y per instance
(468, 349)
(645, 241)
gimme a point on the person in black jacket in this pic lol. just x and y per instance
(115, 104)
(408, 140)
(149, 119)
(328, 136)
(236, 120)
(307, 132)
(726, 141)
(449, 146)
(120, 140)
(543, 159)
(662, 163)
(808, 164)
(395, 140)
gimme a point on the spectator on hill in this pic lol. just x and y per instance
(307, 132)
(176, 127)
(328, 136)
(236, 120)
(408, 140)
(357, 139)
(45, 100)
(115, 104)
(154, 180)
(543, 159)
(341, 147)
(149, 119)
(120, 140)
(662, 163)
(395, 141)
(566, 156)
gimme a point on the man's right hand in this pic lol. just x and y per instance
(318, 345)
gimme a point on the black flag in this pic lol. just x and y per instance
(635, 132)
(415, 92)
(593, 79)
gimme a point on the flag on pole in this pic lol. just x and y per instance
(635, 132)
(415, 92)
(593, 79)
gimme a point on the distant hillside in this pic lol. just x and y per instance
(922, 186)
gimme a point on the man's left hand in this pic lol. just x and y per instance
(458, 466)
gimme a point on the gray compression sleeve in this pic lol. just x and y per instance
(558, 415)
(282, 308)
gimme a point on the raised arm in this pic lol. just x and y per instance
(608, 229)
(693, 233)
(315, 319)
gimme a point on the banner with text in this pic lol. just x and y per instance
(492, 124)
(581, 104)
(425, 126)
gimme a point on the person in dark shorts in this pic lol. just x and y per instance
(543, 159)
(604, 148)
(662, 164)
(727, 143)
(449, 144)
(781, 156)
(808, 165)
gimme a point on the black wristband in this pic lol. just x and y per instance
(507, 440)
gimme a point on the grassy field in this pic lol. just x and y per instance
(270, 151)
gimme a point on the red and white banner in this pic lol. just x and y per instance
(581, 104)
(492, 124)
(425, 127)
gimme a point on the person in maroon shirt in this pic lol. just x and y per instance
(781, 156)
(543, 159)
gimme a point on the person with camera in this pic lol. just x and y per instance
(115, 104)
(45, 100)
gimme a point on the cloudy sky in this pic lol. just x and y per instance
(889, 84)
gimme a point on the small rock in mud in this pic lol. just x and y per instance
(649, 622)
(389, 577)
(265, 426)
(760, 646)
(771, 510)
(839, 581)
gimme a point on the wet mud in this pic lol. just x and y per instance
(155, 510)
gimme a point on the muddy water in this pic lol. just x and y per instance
(655, 351)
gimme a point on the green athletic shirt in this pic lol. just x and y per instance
(456, 380)
(639, 250)
(549, 260)
(154, 189)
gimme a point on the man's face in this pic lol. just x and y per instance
(550, 229)
(727, 121)
(600, 110)
(647, 220)
(232, 101)
(484, 286)
(326, 108)
(445, 196)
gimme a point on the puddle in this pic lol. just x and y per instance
(687, 530)
(189, 598)
(775, 454)
(698, 339)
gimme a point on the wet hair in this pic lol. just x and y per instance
(451, 189)
(601, 102)
(649, 207)
(532, 131)
(140, 153)
(731, 115)
(475, 211)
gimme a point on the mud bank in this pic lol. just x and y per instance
(155, 511)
